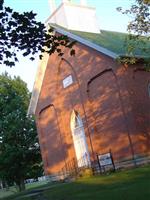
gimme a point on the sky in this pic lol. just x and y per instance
(108, 17)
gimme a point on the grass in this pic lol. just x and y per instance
(12, 191)
(5, 193)
(126, 185)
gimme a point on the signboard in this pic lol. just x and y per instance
(67, 81)
(105, 159)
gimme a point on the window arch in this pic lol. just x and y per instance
(76, 121)
(79, 140)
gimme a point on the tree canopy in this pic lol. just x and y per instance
(139, 26)
(19, 148)
(22, 33)
(140, 12)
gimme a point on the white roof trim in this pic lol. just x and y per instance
(86, 42)
(38, 84)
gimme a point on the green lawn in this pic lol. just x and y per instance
(5, 193)
(126, 185)
(12, 191)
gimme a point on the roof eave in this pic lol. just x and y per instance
(86, 42)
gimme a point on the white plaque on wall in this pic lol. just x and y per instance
(67, 81)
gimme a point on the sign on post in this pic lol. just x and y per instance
(105, 159)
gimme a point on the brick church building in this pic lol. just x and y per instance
(89, 104)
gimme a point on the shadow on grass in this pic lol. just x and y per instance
(29, 190)
(126, 185)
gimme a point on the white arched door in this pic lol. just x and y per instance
(79, 139)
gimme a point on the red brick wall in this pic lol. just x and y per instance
(112, 101)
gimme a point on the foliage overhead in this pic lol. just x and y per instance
(19, 148)
(139, 26)
(22, 33)
(140, 13)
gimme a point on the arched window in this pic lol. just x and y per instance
(76, 121)
(79, 140)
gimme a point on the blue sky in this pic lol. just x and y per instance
(108, 17)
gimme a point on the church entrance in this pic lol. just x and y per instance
(79, 139)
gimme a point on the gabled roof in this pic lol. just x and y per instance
(114, 42)
(109, 43)
(85, 41)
